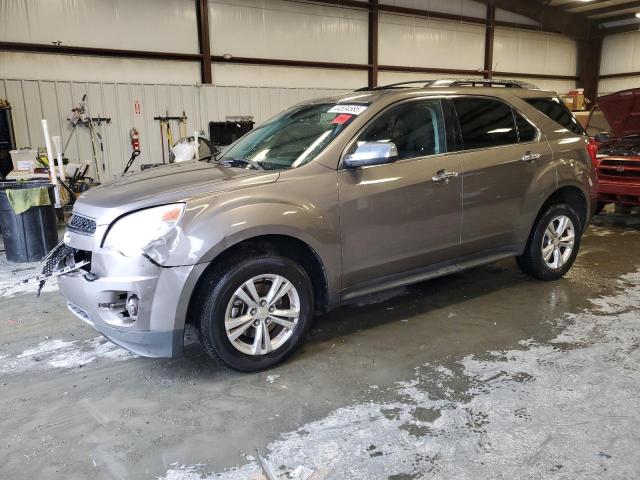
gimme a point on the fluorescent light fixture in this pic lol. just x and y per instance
(638, 14)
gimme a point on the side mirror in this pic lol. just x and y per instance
(603, 137)
(371, 153)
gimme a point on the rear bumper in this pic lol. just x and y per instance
(618, 192)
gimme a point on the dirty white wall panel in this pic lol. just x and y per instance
(559, 86)
(261, 103)
(96, 69)
(289, 77)
(467, 8)
(423, 42)
(611, 85)
(534, 52)
(32, 100)
(385, 78)
(620, 53)
(287, 30)
(156, 25)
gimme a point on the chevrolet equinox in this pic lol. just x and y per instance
(330, 200)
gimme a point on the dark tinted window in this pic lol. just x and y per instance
(526, 131)
(558, 112)
(416, 128)
(485, 123)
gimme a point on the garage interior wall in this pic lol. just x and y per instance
(620, 55)
(43, 84)
(134, 105)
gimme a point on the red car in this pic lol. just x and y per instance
(614, 124)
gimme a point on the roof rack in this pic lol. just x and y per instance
(457, 82)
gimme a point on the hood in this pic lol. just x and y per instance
(622, 110)
(161, 185)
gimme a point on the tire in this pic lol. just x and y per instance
(532, 261)
(220, 303)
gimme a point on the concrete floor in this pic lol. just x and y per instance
(484, 374)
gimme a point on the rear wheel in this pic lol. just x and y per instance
(255, 311)
(553, 244)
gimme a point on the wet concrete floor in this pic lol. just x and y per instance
(483, 374)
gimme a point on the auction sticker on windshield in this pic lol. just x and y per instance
(350, 109)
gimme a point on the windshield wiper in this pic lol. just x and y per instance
(253, 164)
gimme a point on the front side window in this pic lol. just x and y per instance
(485, 123)
(557, 111)
(293, 138)
(416, 128)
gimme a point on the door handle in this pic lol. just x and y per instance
(443, 176)
(530, 156)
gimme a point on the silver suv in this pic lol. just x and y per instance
(330, 200)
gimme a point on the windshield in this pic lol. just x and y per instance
(292, 138)
(597, 123)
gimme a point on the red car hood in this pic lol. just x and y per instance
(622, 110)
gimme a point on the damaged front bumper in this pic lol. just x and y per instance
(98, 294)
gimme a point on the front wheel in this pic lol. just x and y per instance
(256, 311)
(553, 244)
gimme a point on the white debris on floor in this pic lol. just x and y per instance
(566, 408)
(272, 378)
(52, 354)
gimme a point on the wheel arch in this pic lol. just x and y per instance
(573, 196)
(285, 245)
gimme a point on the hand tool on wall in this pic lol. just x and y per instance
(162, 138)
(169, 135)
(165, 123)
(81, 117)
(182, 125)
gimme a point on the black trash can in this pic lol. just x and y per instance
(29, 236)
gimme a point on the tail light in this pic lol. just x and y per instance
(592, 148)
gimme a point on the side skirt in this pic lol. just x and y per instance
(428, 273)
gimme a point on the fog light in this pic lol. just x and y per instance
(133, 303)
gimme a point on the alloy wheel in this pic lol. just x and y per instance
(558, 242)
(262, 314)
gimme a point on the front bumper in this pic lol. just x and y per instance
(98, 299)
(147, 344)
(626, 193)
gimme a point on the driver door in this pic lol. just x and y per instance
(406, 215)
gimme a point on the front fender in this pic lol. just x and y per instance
(302, 207)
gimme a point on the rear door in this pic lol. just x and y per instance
(502, 154)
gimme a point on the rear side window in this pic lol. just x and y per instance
(556, 111)
(416, 128)
(526, 131)
(485, 122)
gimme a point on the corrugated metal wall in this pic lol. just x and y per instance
(32, 100)
(620, 54)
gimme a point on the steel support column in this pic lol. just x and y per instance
(589, 56)
(373, 43)
(488, 40)
(202, 12)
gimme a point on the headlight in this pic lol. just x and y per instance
(131, 234)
